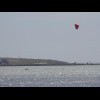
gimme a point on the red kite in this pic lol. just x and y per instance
(76, 26)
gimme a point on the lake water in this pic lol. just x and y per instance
(50, 76)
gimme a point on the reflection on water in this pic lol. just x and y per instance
(50, 76)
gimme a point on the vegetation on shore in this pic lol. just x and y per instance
(29, 62)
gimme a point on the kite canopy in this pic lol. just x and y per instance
(76, 26)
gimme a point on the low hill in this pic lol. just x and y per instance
(29, 62)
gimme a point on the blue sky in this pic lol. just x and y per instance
(50, 35)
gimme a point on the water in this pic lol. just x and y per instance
(50, 76)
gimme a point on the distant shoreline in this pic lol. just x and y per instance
(46, 64)
(37, 62)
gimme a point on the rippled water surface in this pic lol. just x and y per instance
(50, 76)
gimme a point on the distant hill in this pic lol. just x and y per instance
(29, 62)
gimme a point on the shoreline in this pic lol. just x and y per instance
(38, 62)
(52, 65)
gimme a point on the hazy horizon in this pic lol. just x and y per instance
(50, 35)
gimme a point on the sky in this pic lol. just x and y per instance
(50, 35)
